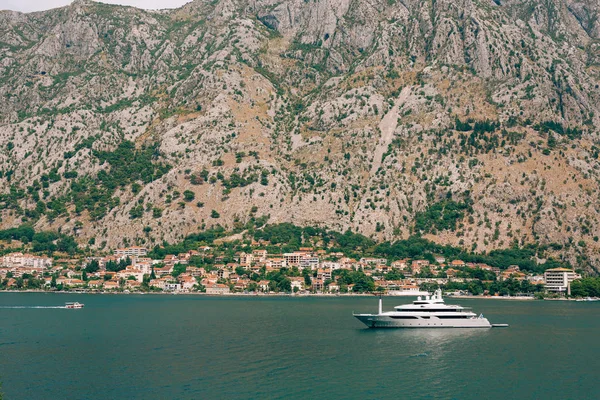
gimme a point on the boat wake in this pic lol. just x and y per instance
(33, 307)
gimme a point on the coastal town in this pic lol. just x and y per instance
(305, 271)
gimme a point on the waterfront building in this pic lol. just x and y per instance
(133, 285)
(240, 285)
(318, 285)
(172, 287)
(187, 282)
(559, 279)
(333, 287)
(263, 285)
(111, 285)
(217, 288)
(156, 283)
(297, 282)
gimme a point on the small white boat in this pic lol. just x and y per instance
(588, 299)
(73, 305)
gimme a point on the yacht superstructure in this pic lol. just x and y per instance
(425, 312)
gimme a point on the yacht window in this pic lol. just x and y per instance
(429, 310)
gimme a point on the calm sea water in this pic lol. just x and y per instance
(193, 347)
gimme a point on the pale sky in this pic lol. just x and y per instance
(40, 5)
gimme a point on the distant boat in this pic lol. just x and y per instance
(73, 305)
(588, 299)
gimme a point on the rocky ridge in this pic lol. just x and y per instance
(473, 123)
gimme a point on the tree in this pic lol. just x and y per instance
(67, 244)
(214, 214)
(178, 269)
(307, 280)
(188, 195)
(92, 266)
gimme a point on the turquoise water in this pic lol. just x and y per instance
(194, 347)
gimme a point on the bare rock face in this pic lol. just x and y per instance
(127, 126)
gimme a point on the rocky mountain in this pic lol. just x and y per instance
(472, 123)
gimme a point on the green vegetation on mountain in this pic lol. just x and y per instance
(477, 128)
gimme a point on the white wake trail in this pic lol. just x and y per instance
(32, 307)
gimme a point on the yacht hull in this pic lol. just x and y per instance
(385, 321)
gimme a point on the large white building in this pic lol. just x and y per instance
(20, 260)
(559, 279)
(132, 252)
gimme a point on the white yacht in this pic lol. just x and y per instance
(427, 312)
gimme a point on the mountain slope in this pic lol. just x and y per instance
(472, 123)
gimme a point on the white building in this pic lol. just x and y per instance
(136, 273)
(172, 287)
(376, 261)
(275, 263)
(20, 260)
(297, 282)
(217, 288)
(132, 252)
(309, 262)
(331, 265)
(559, 279)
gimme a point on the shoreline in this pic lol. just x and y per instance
(261, 294)
(324, 295)
(527, 298)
